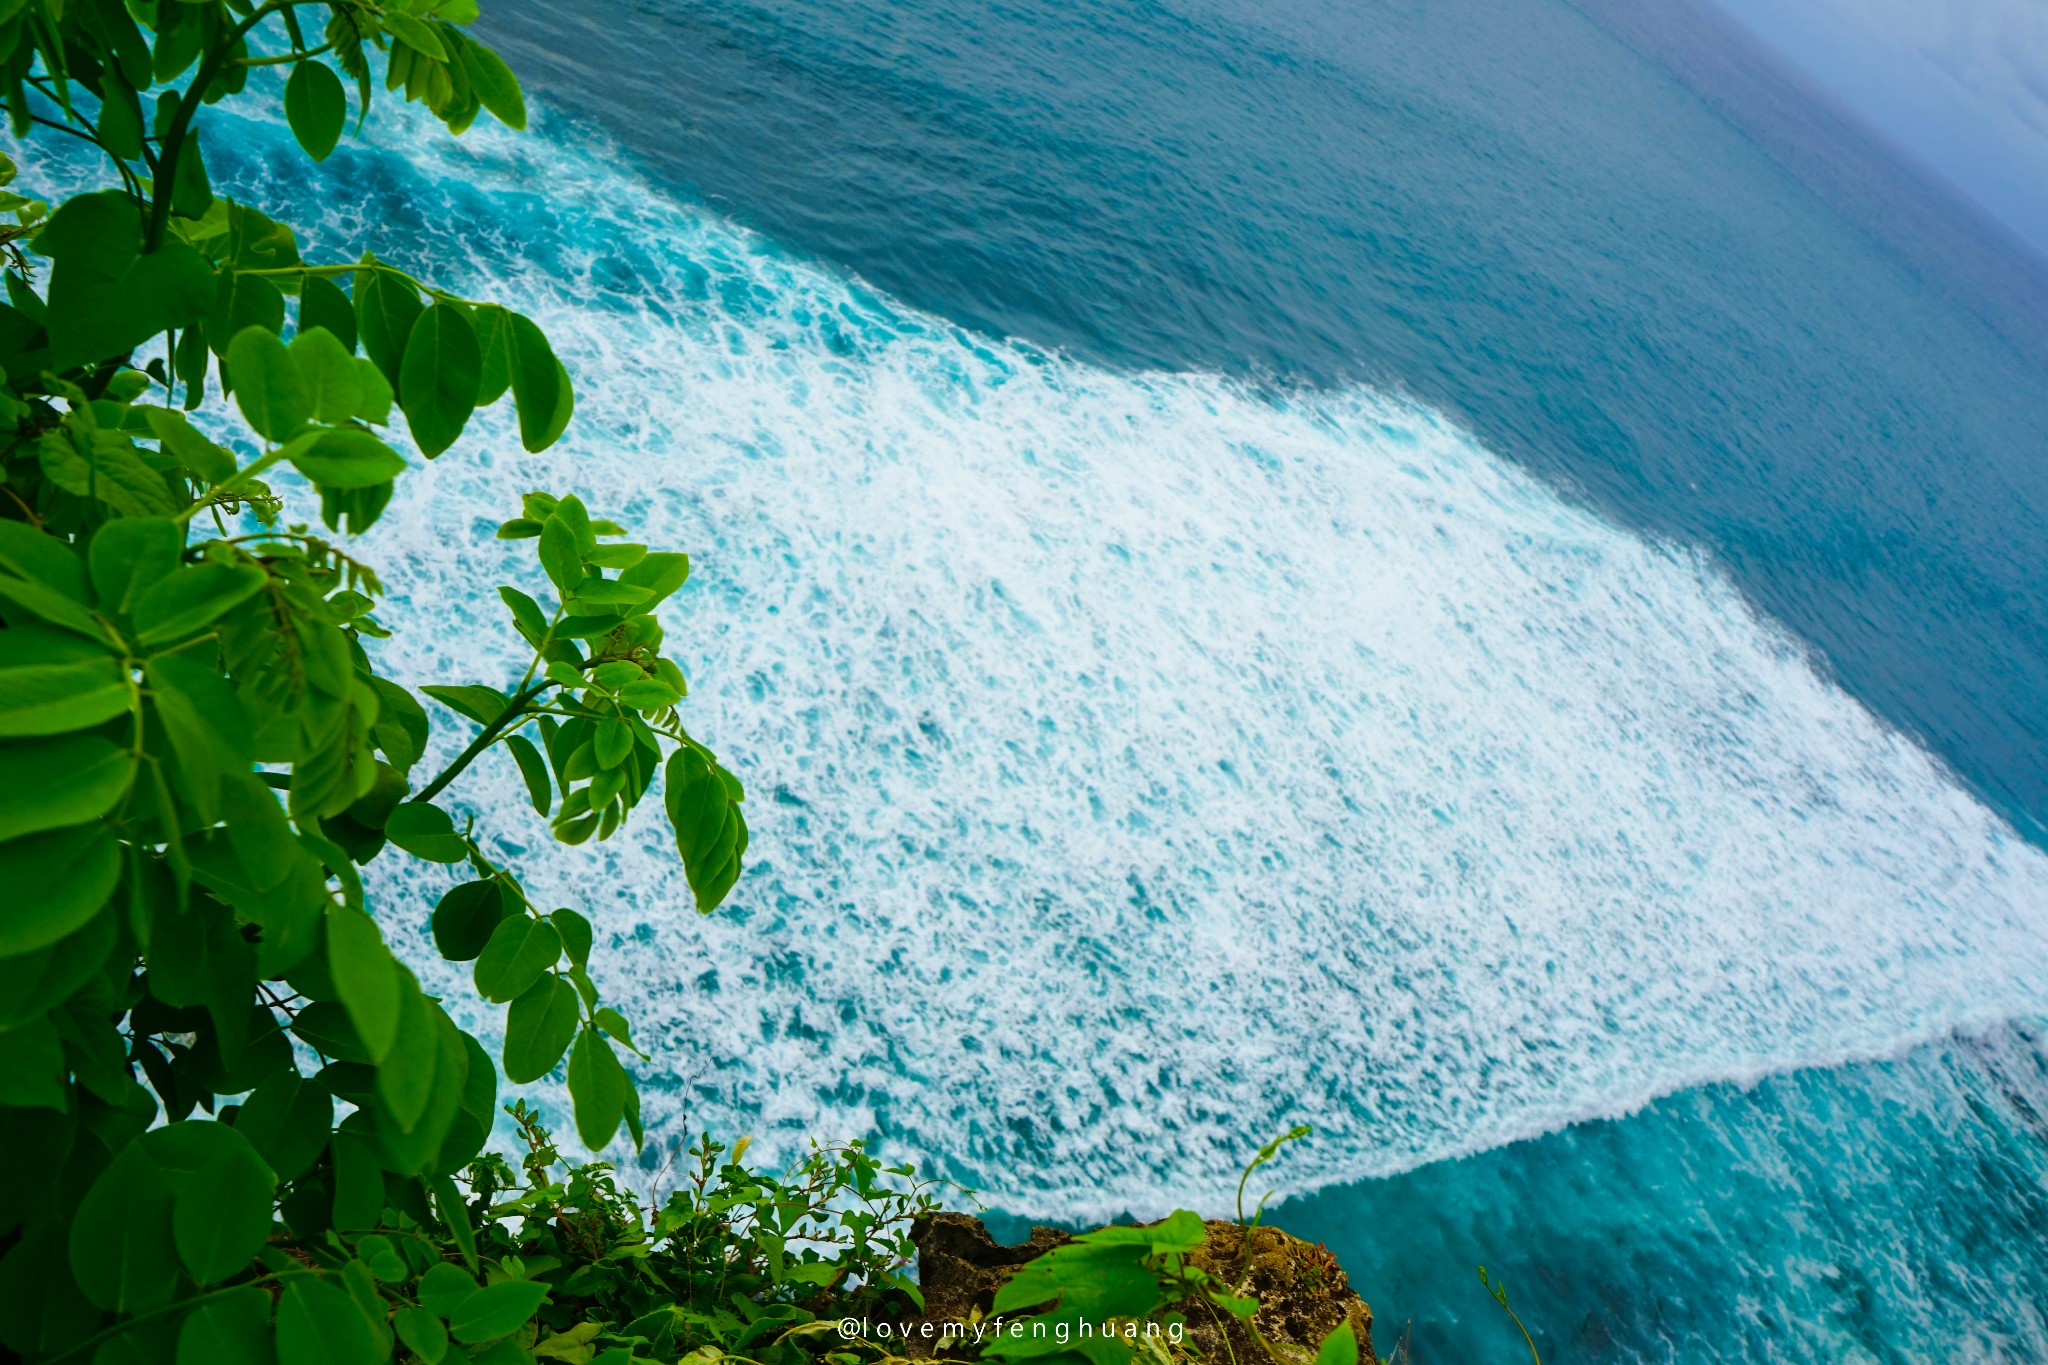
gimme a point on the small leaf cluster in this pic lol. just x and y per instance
(554, 1261)
(233, 1127)
(618, 696)
(758, 1264)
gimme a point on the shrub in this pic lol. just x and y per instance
(197, 752)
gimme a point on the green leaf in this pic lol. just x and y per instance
(526, 613)
(614, 741)
(241, 301)
(594, 595)
(223, 1196)
(43, 559)
(264, 847)
(466, 917)
(494, 352)
(32, 1067)
(257, 241)
(614, 1023)
(415, 34)
(268, 387)
(401, 724)
(496, 1311)
(539, 1027)
(191, 190)
(203, 718)
(105, 465)
(56, 883)
(207, 962)
(366, 976)
(31, 984)
(231, 1330)
(316, 107)
(538, 383)
(534, 769)
(444, 1289)
(123, 1255)
(323, 303)
(106, 297)
(648, 694)
(345, 457)
(324, 1026)
(120, 127)
(520, 949)
(42, 1314)
(1340, 1347)
(52, 682)
(332, 377)
(559, 554)
(51, 783)
(481, 704)
(422, 1334)
(131, 555)
(357, 1178)
(405, 1077)
(182, 442)
(620, 556)
(425, 831)
(439, 378)
(386, 309)
(565, 408)
(48, 604)
(494, 84)
(711, 833)
(319, 1324)
(193, 598)
(660, 574)
(599, 1087)
(287, 1119)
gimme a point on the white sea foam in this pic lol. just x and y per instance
(1139, 764)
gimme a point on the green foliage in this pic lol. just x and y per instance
(733, 1263)
(199, 754)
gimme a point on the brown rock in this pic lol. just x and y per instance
(1301, 1289)
(960, 1267)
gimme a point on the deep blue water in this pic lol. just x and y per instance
(1389, 565)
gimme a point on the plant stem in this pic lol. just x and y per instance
(484, 740)
(175, 136)
(234, 480)
(354, 267)
(284, 59)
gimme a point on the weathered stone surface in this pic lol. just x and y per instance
(1301, 1289)
(960, 1267)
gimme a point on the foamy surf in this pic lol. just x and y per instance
(1140, 763)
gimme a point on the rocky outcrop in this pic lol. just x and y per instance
(1301, 1289)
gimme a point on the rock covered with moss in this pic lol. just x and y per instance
(1302, 1292)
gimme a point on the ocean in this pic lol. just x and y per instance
(1415, 568)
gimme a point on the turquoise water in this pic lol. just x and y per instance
(1372, 566)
